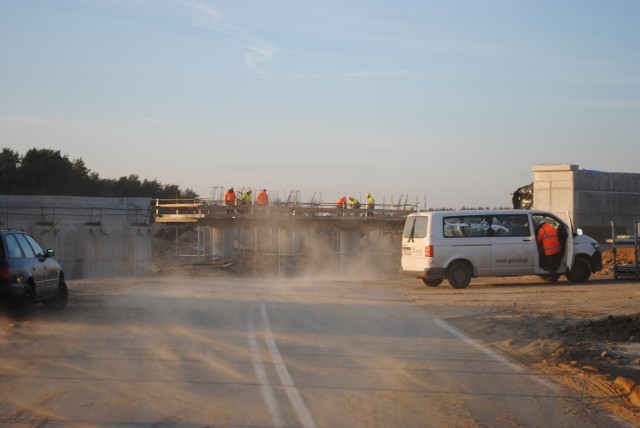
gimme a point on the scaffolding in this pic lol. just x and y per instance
(625, 270)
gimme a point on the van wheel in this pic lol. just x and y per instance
(430, 282)
(459, 275)
(581, 271)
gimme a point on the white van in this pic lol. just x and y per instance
(459, 245)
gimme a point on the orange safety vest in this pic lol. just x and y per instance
(342, 202)
(230, 198)
(262, 198)
(548, 238)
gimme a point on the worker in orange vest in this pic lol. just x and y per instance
(341, 204)
(230, 197)
(263, 198)
(550, 248)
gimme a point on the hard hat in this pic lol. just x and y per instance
(231, 189)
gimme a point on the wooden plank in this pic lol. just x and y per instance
(178, 205)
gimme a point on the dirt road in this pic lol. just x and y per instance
(200, 348)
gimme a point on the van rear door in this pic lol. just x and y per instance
(414, 243)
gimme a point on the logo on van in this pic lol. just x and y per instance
(498, 226)
(512, 260)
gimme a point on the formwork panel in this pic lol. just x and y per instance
(593, 181)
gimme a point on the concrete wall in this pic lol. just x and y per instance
(91, 237)
(592, 198)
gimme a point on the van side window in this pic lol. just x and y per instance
(510, 225)
(465, 226)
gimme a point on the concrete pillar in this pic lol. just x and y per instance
(553, 187)
(217, 242)
(348, 247)
(283, 251)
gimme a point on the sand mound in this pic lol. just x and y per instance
(624, 328)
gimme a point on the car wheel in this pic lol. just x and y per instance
(581, 271)
(430, 282)
(459, 275)
(25, 307)
(60, 300)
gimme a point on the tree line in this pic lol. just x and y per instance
(48, 172)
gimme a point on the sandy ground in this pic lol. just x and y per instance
(584, 336)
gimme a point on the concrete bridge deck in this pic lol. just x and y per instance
(291, 238)
(217, 214)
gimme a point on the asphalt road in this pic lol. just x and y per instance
(205, 352)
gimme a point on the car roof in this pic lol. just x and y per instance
(11, 229)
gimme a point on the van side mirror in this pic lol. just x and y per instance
(50, 252)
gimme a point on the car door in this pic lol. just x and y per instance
(513, 246)
(20, 267)
(34, 264)
(51, 271)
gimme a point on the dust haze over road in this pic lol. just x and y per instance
(176, 350)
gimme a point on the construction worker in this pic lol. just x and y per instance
(230, 197)
(263, 198)
(341, 204)
(371, 204)
(550, 248)
(354, 203)
(246, 200)
(246, 197)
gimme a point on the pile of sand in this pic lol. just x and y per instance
(624, 328)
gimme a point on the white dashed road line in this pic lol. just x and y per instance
(261, 374)
(292, 392)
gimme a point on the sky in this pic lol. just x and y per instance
(447, 103)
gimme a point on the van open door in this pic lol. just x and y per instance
(568, 251)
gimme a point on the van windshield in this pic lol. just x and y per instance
(416, 227)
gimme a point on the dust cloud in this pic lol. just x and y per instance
(325, 253)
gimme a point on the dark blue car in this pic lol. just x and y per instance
(29, 274)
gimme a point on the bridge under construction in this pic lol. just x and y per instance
(288, 237)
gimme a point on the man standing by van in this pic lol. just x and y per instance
(550, 248)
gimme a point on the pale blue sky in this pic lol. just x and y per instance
(452, 101)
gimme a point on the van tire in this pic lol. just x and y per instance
(431, 282)
(459, 275)
(581, 271)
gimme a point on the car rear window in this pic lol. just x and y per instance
(12, 247)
